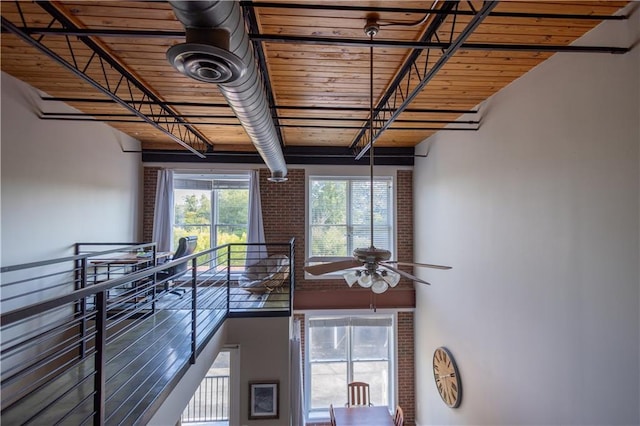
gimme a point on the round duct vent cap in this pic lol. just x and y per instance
(277, 176)
(206, 63)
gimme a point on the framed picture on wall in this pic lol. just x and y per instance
(263, 400)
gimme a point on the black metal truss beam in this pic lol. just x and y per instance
(403, 89)
(125, 32)
(222, 117)
(252, 24)
(104, 32)
(431, 31)
(122, 88)
(282, 107)
(332, 41)
(58, 117)
(293, 155)
(424, 11)
(423, 45)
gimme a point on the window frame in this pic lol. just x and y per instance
(321, 414)
(389, 177)
(213, 224)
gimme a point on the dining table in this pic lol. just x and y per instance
(363, 416)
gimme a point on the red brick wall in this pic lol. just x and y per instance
(404, 227)
(148, 201)
(406, 366)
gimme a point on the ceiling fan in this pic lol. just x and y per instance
(375, 270)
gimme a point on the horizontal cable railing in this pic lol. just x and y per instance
(102, 336)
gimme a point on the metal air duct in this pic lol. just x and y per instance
(218, 50)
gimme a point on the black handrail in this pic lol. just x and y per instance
(37, 308)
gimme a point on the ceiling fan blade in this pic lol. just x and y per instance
(405, 274)
(325, 268)
(425, 265)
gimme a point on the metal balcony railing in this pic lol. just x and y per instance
(210, 402)
(102, 337)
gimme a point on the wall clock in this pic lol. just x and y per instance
(445, 372)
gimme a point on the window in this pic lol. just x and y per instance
(342, 349)
(215, 208)
(339, 215)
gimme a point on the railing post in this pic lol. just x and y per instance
(100, 359)
(229, 277)
(154, 284)
(194, 292)
(292, 270)
(83, 309)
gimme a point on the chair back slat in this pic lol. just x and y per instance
(399, 417)
(358, 393)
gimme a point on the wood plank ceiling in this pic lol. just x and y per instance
(320, 92)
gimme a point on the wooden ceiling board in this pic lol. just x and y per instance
(301, 75)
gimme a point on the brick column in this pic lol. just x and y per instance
(150, 181)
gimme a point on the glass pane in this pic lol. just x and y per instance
(328, 241)
(377, 375)
(328, 202)
(192, 216)
(233, 206)
(328, 384)
(327, 343)
(231, 234)
(192, 207)
(370, 343)
(362, 236)
(381, 202)
(360, 202)
(203, 232)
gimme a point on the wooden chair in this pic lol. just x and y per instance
(399, 417)
(358, 394)
(332, 415)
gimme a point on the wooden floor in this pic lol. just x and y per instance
(141, 362)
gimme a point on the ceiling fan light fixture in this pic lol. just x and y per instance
(391, 278)
(379, 285)
(351, 277)
(365, 280)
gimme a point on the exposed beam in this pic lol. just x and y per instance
(350, 8)
(283, 107)
(424, 45)
(104, 32)
(88, 117)
(293, 155)
(332, 41)
(221, 117)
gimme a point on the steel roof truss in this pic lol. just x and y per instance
(110, 78)
(410, 83)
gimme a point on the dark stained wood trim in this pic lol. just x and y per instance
(351, 298)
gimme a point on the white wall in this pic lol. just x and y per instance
(538, 214)
(173, 407)
(62, 181)
(264, 355)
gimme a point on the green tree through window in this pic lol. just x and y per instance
(339, 215)
(212, 207)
